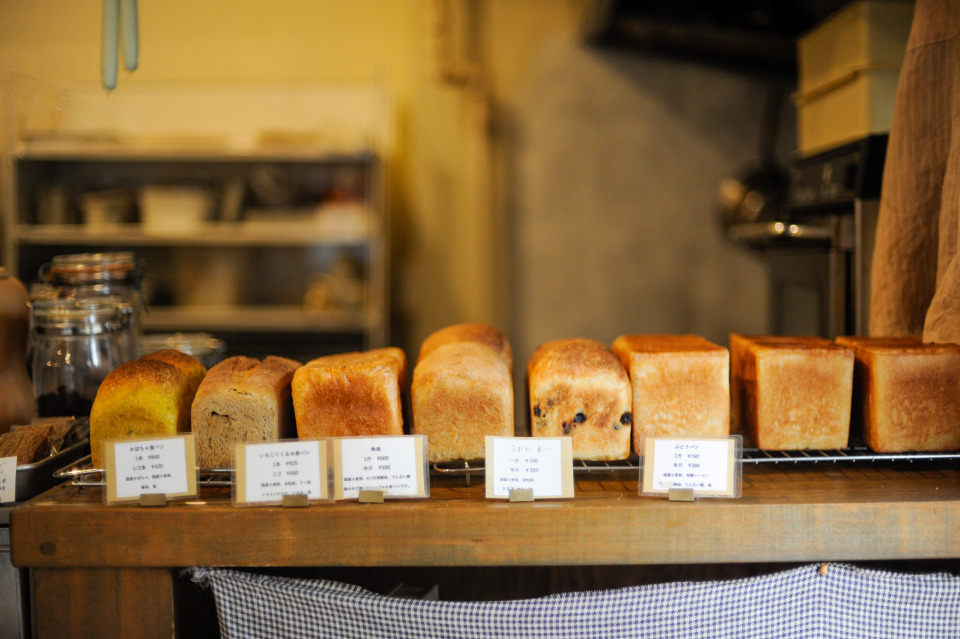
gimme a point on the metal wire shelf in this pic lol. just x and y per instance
(855, 453)
(81, 473)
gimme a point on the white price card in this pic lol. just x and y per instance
(709, 467)
(150, 466)
(8, 479)
(395, 466)
(266, 471)
(541, 464)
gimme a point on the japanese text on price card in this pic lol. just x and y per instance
(268, 471)
(705, 466)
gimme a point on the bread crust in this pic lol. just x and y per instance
(680, 385)
(350, 394)
(906, 393)
(578, 387)
(141, 397)
(192, 367)
(242, 399)
(792, 392)
(461, 392)
(469, 332)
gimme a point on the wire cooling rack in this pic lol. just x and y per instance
(82, 474)
(853, 454)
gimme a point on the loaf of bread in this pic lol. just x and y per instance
(906, 394)
(680, 385)
(792, 393)
(469, 332)
(242, 399)
(192, 367)
(350, 394)
(578, 387)
(462, 392)
(144, 397)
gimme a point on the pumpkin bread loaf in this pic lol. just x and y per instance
(143, 397)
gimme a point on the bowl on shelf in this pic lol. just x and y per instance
(175, 208)
(112, 206)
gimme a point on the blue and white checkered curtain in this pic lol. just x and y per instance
(842, 602)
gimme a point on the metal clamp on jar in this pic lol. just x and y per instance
(75, 344)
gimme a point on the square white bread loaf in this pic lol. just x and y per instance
(680, 385)
(578, 387)
(242, 399)
(461, 392)
(351, 394)
(794, 393)
(906, 393)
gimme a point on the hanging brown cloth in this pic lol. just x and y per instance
(915, 279)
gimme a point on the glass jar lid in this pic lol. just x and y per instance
(86, 316)
(89, 268)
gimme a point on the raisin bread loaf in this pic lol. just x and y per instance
(578, 387)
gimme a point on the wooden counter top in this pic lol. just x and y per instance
(788, 512)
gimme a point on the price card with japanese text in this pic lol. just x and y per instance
(150, 466)
(708, 467)
(541, 464)
(8, 479)
(267, 471)
(395, 466)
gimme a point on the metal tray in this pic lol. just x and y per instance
(33, 479)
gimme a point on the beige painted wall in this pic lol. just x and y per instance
(442, 250)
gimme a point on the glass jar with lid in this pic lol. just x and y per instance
(75, 343)
(93, 275)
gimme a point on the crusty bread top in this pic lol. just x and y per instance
(192, 367)
(248, 374)
(786, 341)
(389, 356)
(466, 360)
(626, 345)
(574, 357)
(469, 332)
(864, 341)
(141, 372)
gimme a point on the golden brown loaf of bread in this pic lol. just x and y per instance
(792, 392)
(242, 399)
(461, 392)
(192, 367)
(906, 393)
(680, 385)
(142, 397)
(469, 332)
(578, 387)
(350, 394)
